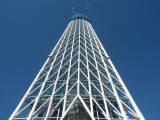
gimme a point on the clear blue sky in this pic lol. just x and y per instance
(128, 29)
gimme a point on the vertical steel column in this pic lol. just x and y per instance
(52, 96)
(122, 83)
(110, 79)
(89, 81)
(40, 92)
(127, 92)
(66, 90)
(102, 90)
(34, 81)
(85, 106)
(125, 88)
(78, 82)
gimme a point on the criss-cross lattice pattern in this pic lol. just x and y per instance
(78, 81)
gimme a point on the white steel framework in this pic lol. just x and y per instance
(78, 81)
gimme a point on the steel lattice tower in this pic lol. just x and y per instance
(78, 81)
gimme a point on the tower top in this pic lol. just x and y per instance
(80, 16)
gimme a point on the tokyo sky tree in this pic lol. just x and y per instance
(78, 81)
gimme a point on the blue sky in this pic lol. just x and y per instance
(128, 29)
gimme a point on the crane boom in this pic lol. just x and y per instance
(85, 11)
(73, 9)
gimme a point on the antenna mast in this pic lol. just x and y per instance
(85, 11)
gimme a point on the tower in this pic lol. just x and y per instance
(77, 81)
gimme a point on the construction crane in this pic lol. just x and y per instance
(85, 11)
(73, 9)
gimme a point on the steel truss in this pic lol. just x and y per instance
(77, 81)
